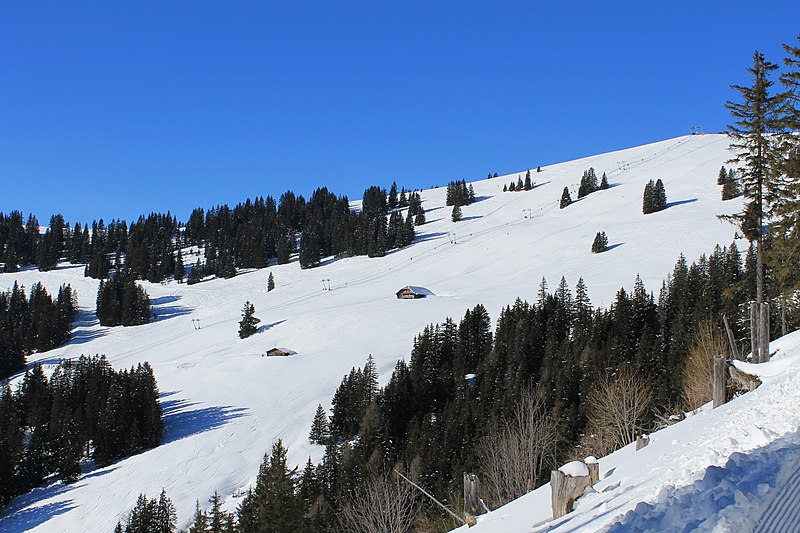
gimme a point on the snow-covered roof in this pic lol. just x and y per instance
(417, 290)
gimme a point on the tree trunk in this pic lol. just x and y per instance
(754, 344)
(783, 315)
(718, 392)
(763, 334)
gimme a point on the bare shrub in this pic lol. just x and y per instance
(516, 452)
(618, 412)
(698, 370)
(382, 505)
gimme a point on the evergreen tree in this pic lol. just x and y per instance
(654, 198)
(165, 515)
(604, 182)
(121, 301)
(180, 270)
(722, 177)
(659, 196)
(199, 521)
(730, 190)
(310, 252)
(408, 228)
(600, 243)
(151, 516)
(783, 253)
(219, 521)
(249, 323)
(274, 506)
(588, 183)
(456, 214)
(283, 250)
(393, 200)
(270, 283)
(528, 186)
(195, 274)
(756, 119)
(565, 199)
(403, 201)
(319, 428)
(11, 261)
(419, 219)
(225, 266)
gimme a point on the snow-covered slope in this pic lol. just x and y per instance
(225, 404)
(730, 469)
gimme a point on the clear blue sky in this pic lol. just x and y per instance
(114, 109)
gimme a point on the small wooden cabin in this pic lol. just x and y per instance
(280, 352)
(410, 292)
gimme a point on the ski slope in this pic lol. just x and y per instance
(225, 404)
(733, 469)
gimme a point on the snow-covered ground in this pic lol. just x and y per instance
(225, 404)
(729, 469)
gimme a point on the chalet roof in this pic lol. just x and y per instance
(417, 290)
(282, 349)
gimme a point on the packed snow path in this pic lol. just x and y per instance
(225, 404)
(783, 513)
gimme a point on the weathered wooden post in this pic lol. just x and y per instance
(731, 339)
(473, 504)
(718, 392)
(567, 484)
(594, 469)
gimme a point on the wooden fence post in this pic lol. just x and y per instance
(564, 490)
(594, 470)
(718, 393)
(473, 505)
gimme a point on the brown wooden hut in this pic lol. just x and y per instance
(280, 352)
(410, 292)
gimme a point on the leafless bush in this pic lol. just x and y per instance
(515, 453)
(698, 371)
(618, 411)
(382, 505)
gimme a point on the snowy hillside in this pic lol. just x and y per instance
(225, 404)
(722, 470)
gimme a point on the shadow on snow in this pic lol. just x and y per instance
(85, 328)
(161, 310)
(681, 202)
(30, 517)
(181, 422)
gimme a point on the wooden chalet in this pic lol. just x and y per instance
(411, 292)
(280, 352)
